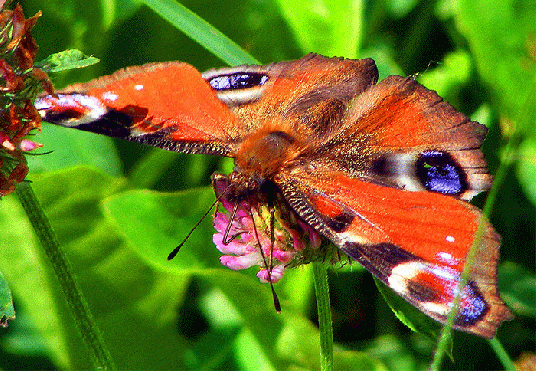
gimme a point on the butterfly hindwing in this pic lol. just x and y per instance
(415, 242)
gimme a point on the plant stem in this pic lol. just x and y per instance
(76, 302)
(324, 316)
(499, 350)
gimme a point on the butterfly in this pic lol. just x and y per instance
(383, 170)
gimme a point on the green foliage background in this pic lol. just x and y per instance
(118, 208)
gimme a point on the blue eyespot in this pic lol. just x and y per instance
(238, 80)
(438, 172)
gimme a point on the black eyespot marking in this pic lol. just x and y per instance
(438, 172)
(380, 166)
(237, 81)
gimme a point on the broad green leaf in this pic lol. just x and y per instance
(499, 35)
(66, 60)
(151, 167)
(157, 222)
(27, 272)
(135, 305)
(328, 27)
(518, 289)
(70, 147)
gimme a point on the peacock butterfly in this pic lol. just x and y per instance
(383, 170)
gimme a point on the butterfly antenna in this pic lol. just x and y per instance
(272, 236)
(176, 249)
(277, 304)
(226, 240)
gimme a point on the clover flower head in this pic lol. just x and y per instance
(245, 237)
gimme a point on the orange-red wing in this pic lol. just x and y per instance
(400, 116)
(415, 242)
(167, 105)
(401, 113)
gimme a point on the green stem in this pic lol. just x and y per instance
(73, 295)
(324, 316)
(201, 31)
(502, 355)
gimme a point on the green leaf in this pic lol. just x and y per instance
(7, 311)
(157, 222)
(500, 36)
(25, 269)
(408, 314)
(64, 148)
(173, 214)
(66, 60)
(134, 304)
(328, 27)
(518, 288)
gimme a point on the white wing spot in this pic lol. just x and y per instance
(450, 239)
(109, 96)
(402, 273)
(138, 87)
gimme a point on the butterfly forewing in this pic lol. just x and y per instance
(167, 105)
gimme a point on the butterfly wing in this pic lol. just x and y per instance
(400, 134)
(174, 107)
(387, 189)
(166, 105)
(415, 242)
(378, 169)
